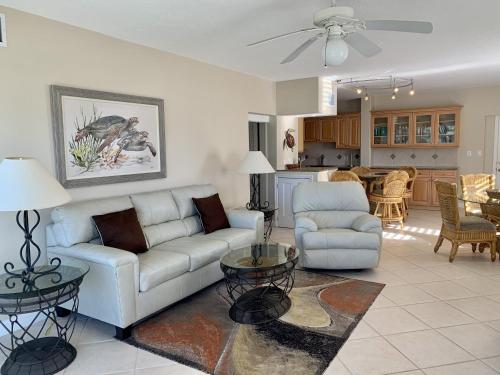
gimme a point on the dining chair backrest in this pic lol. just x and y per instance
(412, 173)
(338, 176)
(475, 184)
(360, 170)
(448, 202)
(394, 184)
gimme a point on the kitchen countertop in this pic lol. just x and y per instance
(418, 167)
(308, 169)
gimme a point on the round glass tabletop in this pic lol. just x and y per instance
(479, 199)
(260, 256)
(14, 287)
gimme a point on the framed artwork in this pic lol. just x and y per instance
(104, 138)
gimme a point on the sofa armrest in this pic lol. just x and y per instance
(108, 292)
(367, 223)
(246, 219)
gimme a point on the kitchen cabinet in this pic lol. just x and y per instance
(344, 130)
(420, 127)
(380, 130)
(327, 129)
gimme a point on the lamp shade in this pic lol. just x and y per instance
(26, 185)
(255, 163)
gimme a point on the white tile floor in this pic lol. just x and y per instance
(432, 317)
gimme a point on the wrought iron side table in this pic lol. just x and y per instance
(258, 280)
(29, 350)
(269, 219)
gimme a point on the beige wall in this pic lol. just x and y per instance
(477, 104)
(205, 106)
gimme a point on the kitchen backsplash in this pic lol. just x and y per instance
(333, 156)
(419, 157)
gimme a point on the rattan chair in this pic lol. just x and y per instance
(387, 194)
(412, 173)
(360, 170)
(339, 176)
(459, 230)
(475, 184)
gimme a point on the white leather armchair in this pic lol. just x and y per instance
(333, 226)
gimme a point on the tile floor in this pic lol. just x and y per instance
(431, 318)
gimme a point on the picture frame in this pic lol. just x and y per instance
(105, 138)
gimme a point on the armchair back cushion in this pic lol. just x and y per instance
(330, 196)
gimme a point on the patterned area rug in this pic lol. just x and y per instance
(199, 333)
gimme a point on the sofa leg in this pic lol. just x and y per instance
(123, 333)
(61, 312)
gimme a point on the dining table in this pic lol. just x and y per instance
(370, 177)
(488, 206)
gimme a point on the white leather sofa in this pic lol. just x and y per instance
(333, 227)
(122, 288)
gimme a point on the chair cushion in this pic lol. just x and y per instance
(201, 251)
(476, 223)
(235, 237)
(158, 266)
(337, 238)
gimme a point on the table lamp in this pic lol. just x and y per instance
(25, 185)
(254, 164)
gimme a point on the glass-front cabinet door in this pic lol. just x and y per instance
(424, 129)
(447, 128)
(401, 132)
(380, 131)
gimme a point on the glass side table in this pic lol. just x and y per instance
(28, 350)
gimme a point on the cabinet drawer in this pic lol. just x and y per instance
(424, 173)
(444, 174)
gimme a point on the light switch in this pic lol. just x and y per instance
(469, 153)
(479, 153)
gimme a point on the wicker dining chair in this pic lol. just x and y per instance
(360, 170)
(475, 184)
(387, 194)
(339, 176)
(459, 230)
(412, 173)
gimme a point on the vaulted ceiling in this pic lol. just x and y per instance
(463, 50)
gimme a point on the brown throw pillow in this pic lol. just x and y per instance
(121, 230)
(212, 214)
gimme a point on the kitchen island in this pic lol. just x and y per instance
(286, 180)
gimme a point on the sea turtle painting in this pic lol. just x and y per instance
(100, 140)
(289, 140)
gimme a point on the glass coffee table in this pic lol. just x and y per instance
(258, 280)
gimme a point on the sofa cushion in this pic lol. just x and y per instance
(337, 238)
(159, 233)
(212, 214)
(184, 197)
(155, 207)
(158, 266)
(73, 222)
(201, 251)
(193, 225)
(121, 230)
(235, 237)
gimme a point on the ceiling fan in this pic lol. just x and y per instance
(341, 29)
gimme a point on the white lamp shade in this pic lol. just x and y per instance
(26, 185)
(255, 163)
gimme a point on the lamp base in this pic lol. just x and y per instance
(28, 275)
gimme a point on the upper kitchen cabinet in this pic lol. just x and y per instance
(400, 129)
(355, 128)
(380, 130)
(447, 127)
(311, 129)
(327, 129)
(344, 130)
(421, 127)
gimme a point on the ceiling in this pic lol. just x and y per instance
(463, 51)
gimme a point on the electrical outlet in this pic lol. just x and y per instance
(469, 153)
(479, 153)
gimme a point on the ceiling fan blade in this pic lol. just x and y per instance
(362, 44)
(283, 36)
(404, 26)
(301, 48)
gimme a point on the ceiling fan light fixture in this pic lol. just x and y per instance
(336, 51)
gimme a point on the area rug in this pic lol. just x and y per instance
(199, 333)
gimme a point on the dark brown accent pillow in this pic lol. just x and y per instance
(121, 230)
(212, 214)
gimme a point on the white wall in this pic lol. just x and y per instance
(206, 107)
(477, 104)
